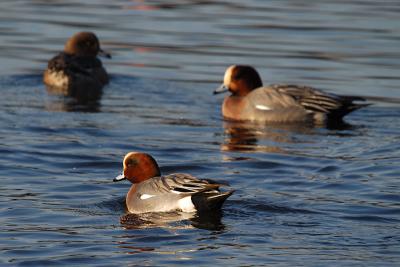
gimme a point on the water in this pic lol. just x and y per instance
(304, 196)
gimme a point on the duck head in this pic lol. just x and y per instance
(84, 44)
(138, 167)
(240, 80)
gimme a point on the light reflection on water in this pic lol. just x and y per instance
(305, 196)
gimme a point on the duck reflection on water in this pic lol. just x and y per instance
(57, 101)
(278, 138)
(174, 220)
(248, 136)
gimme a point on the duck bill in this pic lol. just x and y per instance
(222, 89)
(105, 54)
(119, 178)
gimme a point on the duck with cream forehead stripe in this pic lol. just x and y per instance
(279, 103)
(153, 192)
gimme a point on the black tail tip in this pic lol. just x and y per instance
(207, 201)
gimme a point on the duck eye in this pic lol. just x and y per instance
(130, 162)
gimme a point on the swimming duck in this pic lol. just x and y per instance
(77, 71)
(153, 192)
(279, 103)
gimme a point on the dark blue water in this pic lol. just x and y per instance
(304, 196)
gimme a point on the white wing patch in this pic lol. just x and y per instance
(146, 196)
(186, 205)
(176, 192)
(263, 107)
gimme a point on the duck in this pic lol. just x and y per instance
(77, 71)
(153, 192)
(279, 103)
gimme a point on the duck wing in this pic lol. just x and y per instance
(310, 98)
(315, 100)
(294, 103)
(166, 193)
(74, 64)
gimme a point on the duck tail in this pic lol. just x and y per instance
(352, 107)
(210, 200)
(358, 106)
(348, 106)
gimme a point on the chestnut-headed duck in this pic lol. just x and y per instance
(279, 103)
(153, 192)
(77, 71)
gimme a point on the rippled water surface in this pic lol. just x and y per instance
(304, 196)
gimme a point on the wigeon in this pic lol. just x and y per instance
(279, 103)
(77, 71)
(153, 192)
